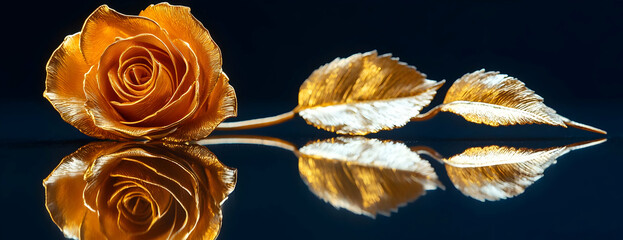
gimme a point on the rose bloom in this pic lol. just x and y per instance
(131, 190)
(157, 75)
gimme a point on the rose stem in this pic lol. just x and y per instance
(428, 115)
(250, 139)
(256, 123)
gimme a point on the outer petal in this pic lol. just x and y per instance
(105, 25)
(64, 87)
(221, 179)
(216, 182)
(91, 228)
(221, 105)
(180, 23)
(64, 186)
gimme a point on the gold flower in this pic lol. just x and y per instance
(132, 190)
(151, 76)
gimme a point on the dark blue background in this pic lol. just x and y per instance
(569, 52)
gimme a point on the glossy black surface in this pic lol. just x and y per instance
(569, 52)
(577, 198)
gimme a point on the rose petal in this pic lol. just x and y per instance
(105, 25)
(180, 23)
(114, 225)
(146, 119)
(130, 155)
(220, 178)
(192, 69)
(64, 87)
(100, 188)
(90, 228)
(221, 105)
(65, 70)
(123, 79)
(109, 82)
(158, 172)
(64, 186)
(131, 221)
(217, 179)
(117, 224)
(174, 112)
(98, 171)
(154, 99)
(97, 105)
(129, 92)
(160, 168)
(183, 209)
(183, 102)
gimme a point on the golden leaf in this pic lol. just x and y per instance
(493, 172)
(364, 93)
(132, 190)
(365, 176)
(498, 99)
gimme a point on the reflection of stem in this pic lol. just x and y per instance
(283, 144)
(256, 123)
(428, 115)
(250, 139)
(580, 145)
(428, 151)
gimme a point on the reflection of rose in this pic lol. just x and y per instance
(156, 75)
(139, 191)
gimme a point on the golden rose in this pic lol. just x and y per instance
(155, 75)
(135, 190)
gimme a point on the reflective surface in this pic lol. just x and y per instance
(278, 196)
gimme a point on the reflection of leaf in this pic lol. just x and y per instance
(493, 173)
(364, 93)
(365, 176)
(497, 99)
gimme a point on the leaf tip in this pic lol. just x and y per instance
(585, 127)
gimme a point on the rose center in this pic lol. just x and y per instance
(137, 207)
(138, 74)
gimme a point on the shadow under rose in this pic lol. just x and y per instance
(132, 190)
